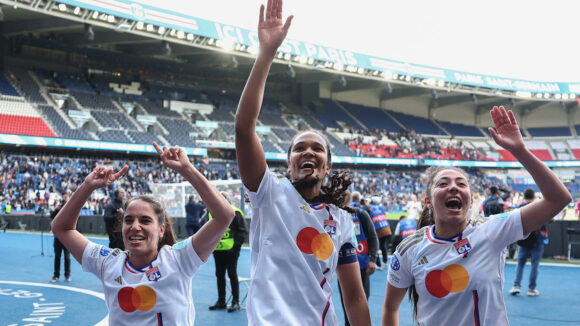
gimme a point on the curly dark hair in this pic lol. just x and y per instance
(333, 187)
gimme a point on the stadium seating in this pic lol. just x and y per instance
(20, 118)
(372, 117)
(6, 88)
(460, 130)
(550, 132)
(330, 114)
(419, 124)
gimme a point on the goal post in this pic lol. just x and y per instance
(174, 196)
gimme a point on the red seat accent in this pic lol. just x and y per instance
(506, 155)
(542, 154)
(20, 125)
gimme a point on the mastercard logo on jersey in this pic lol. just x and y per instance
(453, 278)
(141, 298)
(312, 242)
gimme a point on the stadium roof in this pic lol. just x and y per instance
(83, 28)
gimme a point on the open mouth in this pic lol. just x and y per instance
(453, 203)
(308, 165)
(136, 239)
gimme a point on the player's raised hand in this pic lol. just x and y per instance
(103, 176)
(174, 158)
(271, 29)
(507, 132)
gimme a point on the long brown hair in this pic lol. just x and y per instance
(162, 216)
(427, 218)
(334, 185)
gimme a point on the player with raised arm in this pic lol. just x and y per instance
(150, 282)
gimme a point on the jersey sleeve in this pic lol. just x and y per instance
(348, 243)
(264, 195)
(185, 256)
(504, 229)
(400, 274)
(95, 257)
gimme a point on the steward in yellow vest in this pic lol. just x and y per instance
(226, 256)
(227, 242)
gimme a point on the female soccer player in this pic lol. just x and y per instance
(453, 267)
(299, 236)
(150, 282)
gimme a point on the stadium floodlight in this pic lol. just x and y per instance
(523, 94)
(302, 59)
(140, 25)
(440, 83)
(226, 44)
(429, 81)
(564, 96)
(173, 33)
(180, 35)
(89, 33)
(408, 78)
(538, 95)
(77, 10)
(388, 75)
(161, 30)
(253, 49)
(546, 95)
(558, 96)
(111, 19)
(150, 28)
(338, 66)
(95, 15)
(280, 55)
(62, 7)
(361, 70)
(190, 37)
(310, 61)
(287, 56)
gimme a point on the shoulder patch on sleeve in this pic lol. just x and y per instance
(411, 241)
(180, 245)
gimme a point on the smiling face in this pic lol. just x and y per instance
(308, 159)
(141, 232)
(450, 200)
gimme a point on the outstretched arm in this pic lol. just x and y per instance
(207, 238)
(353, 295)
(249, 151)
(555, 195)
(64, 225)
(393, 299)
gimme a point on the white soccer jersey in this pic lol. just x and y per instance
(459, 280)
(294, 249)
(158, 294)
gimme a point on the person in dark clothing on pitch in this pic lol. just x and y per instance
(59, 248)
(226, 256)
(112, 212)
(193, 212)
